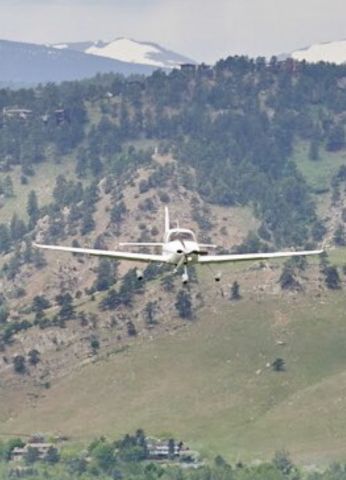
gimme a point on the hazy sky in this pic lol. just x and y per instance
(203, 29)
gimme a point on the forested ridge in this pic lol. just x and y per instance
(236, 124)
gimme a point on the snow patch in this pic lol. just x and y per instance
(60, 46)
(128, 50)
(334, 52)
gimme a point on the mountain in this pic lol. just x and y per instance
(26, 63)
(129, 50)
(333, 52)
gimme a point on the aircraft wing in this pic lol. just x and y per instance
(134, 257)
(253, 256)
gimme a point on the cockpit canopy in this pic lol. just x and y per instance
(184, 235)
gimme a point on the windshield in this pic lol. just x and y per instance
(181, 236)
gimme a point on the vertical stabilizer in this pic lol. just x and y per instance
(167, 224)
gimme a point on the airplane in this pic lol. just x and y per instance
(179, 249)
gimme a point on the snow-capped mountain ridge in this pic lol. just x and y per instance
(333, 52)
(131, 51)
(29, 64)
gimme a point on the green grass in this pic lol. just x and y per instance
(318, 174)
(208, 383)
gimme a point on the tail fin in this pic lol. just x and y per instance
(167, 224)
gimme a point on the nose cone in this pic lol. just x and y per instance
(186, 247)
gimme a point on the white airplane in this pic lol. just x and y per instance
(179, 248)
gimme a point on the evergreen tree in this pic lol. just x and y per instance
(340, 236)
(279, 365)
(52, 456)
(66, 311)
(283, 462)
(235, 291)
(336, 138)
(318, 231)
(111, 301)
(81, 165)
(94, 343)
(150, 313)
(88, 223)
(314, 150)
(19, 364)
(131, 329)
(332, 278)
(167, 283)
(32, 208)
(38, 259)
(56, 226)
(17, 228)
(105, 275)
(5, 238)
(287, 278)
(40, 303)
(171, 448)
(7, 187)
(31, 455)
(183, 305)
(34, 357)
(4, 313)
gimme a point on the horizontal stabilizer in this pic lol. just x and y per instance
(141, 244)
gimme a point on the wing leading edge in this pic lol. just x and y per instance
(254, 256)
(134, 257)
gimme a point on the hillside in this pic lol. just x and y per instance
(253, 157)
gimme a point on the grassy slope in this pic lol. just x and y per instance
(318, 173)
(208, 382)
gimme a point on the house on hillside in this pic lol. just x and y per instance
(169, 450)
(188, 67)
(19, 113)
(42, 449)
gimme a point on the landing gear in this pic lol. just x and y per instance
(217, 276)
(139, 274)
(185, 276)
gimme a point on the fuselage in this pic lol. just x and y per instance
(180, 243)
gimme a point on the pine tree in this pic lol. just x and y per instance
(52, 455)
(17, 228)
(150, 313)
(19, 364)
(105, 275)
(34, 357)
(5, 238)
(235, 291)
(183, 304)
(32, 208)
(332, 278)
(340, 236)
(66, 311)
(314, 150)
(7, 187)
(278, 365)
(336, 138)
